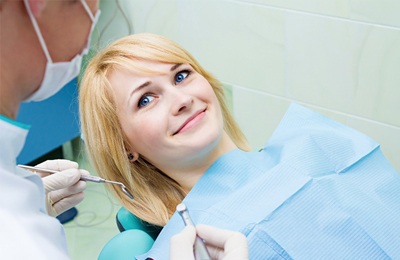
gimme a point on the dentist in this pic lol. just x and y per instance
(42, 44)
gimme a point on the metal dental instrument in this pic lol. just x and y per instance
(200, 249)
(83, 178)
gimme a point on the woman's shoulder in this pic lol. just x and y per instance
(307, 136)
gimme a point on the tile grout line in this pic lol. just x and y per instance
(317, 15)
(315, 106)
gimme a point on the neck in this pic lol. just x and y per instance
(19, 76)
(188, 176)
(8, 99)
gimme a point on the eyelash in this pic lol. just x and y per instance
(146, 95)
(179, 73)
(143, 98)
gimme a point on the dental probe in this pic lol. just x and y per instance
(200, 249)
(91, 178)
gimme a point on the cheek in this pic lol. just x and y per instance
(144, 135)
(213, 100)
(207, 93)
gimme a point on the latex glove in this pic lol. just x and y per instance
(64, 189)
(221, 243)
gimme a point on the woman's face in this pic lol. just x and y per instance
(172, 119)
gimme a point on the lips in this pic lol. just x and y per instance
(191, 121)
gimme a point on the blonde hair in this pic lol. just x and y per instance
(155, 194)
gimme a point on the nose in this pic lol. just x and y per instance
(180, 101)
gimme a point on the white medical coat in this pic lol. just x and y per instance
(26, 231)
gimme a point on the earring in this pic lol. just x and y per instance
(133, 157)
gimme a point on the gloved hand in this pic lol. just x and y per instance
(221, 243)
(64, 189)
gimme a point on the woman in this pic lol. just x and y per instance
(154, 119)
(112, 149)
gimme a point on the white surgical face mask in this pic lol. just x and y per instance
(58, 74)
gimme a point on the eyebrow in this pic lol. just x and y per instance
(174, 67)
(139, 88)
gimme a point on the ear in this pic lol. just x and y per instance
(133, 156)
(37, 6)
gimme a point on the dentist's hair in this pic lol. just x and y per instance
(155, 194)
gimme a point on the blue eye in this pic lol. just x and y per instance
(145, 100)
(181, 76)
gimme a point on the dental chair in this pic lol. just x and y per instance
(136, 237)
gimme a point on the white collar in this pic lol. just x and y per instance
(12, 139)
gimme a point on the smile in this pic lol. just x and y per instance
(191, 121)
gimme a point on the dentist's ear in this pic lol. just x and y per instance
(37, 6)
(133, 157)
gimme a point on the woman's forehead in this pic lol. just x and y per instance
(146, 67)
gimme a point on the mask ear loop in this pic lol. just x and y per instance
(94, 19)
(38, 32)
(87, 10)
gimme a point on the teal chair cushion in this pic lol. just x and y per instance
(126, 221)
(126, 245)
(136, 237)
